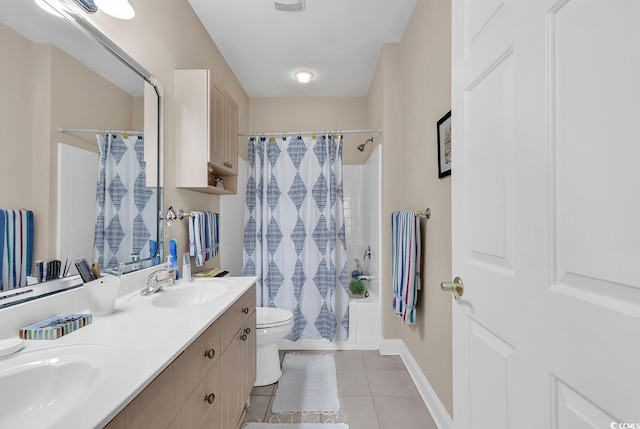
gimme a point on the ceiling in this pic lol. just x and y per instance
(339, 40)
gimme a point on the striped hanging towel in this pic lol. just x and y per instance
(196, 237)
(204, 242)
(16, 247)
(216, 234)
(406, 259)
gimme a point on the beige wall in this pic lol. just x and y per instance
(278, 115)
(16, 118)
(47, 89)
(417, 71)
(164, 36)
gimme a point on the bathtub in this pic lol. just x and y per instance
(364, 329)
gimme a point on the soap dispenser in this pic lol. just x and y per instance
(358, 271)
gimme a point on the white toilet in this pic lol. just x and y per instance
(272, 325)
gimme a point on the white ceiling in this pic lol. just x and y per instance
(339, 40)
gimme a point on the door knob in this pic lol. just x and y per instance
(457, 287)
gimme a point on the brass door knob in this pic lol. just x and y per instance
(210, 353)
(243, 337)
(457, 287)
(245, 310)
(210, 398)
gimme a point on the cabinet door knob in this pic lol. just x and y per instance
(210, 398)
(245, 310)
(243, 337)
(210, 353)
(247, 331)
(228, 164)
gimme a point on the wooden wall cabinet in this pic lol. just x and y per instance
(208, 384)
(206, 133)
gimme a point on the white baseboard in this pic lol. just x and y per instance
(439, 413)
(326, 345)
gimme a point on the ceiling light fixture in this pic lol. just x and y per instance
(120, 9)
(289, 5)
(45, 6)
(303, 76)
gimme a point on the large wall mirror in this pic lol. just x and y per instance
(79, 147)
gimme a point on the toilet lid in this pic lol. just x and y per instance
(269, 317)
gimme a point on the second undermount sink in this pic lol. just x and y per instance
(187, 294)
(42, 386)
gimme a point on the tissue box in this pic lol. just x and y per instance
(55, 327)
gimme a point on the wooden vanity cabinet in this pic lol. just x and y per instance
(206, 133)
(240, 371)
(208, 384)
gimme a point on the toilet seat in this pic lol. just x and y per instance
(269, 317)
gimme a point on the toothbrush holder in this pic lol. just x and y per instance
(101, 295)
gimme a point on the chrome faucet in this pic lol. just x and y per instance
(156, 285)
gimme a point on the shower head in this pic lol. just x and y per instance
(361, 146)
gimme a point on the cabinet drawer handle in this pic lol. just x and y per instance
(210, 398)
(245, 310)
(243, 337)
(210, 353)
(247, 331)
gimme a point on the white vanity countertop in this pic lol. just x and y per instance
(145, 339)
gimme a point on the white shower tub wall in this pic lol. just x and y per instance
(364, 329)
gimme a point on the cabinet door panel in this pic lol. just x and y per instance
(248, 373)
(197, 411)
(144, 412)
(216, 150)
(231, 400)
(231, 138)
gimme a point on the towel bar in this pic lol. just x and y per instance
(426, 213)
(182, 214)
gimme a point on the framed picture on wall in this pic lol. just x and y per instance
(444, 146)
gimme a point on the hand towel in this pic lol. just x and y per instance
(406, 259)
(195, 238)
(17, 247)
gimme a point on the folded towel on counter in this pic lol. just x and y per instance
(204, 241)
(406, 260)
(16, 247)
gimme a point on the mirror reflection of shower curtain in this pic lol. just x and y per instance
(125, 206)
(294, 239)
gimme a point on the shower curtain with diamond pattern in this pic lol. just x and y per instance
(126, 207)
(294, 238)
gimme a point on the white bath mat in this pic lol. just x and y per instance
(296, 426)
(308, 384)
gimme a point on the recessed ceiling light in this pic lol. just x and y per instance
(120, 9)
(303, 76)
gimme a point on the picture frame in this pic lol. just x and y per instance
(444, 145)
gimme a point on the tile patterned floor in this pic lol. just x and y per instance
(376, 392)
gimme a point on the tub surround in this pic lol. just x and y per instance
(147, 339)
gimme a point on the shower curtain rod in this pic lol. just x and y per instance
(96, 131)
(307, 133)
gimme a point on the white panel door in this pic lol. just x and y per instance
(546, 226)
(77, 181)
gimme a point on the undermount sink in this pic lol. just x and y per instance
(41, 386)
(187, 294)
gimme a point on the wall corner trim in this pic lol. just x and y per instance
(439, 413)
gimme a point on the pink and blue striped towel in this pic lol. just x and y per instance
(406, 259)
